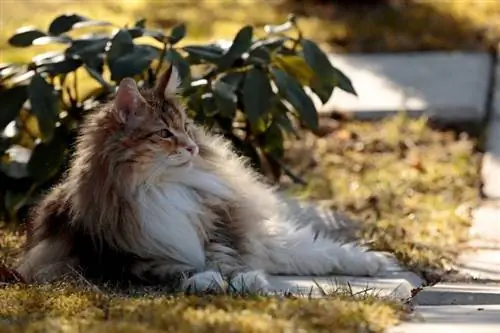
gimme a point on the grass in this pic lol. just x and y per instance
(66, 308)
(413, 186)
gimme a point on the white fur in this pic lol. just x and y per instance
(253, 282)
(174, 81)
(205, 281)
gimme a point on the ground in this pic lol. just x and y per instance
(421, 214)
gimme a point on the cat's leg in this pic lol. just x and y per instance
(46, 262)
(297, 252)
(185, 277)
(241, 278)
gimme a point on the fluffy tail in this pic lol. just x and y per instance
(298, 252)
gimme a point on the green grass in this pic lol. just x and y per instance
(413, 186)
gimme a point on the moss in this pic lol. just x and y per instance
(72, 308)
(413, 186)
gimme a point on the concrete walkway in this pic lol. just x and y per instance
(451, 88)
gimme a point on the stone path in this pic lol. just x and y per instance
(454, 88)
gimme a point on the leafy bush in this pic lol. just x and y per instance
(250, 89)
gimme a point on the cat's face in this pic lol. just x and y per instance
(155, 131)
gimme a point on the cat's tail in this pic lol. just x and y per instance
(301, 252)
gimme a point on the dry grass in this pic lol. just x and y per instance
(412, 185)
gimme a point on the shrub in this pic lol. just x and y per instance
(252, 90)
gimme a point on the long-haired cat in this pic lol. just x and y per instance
(149, 194)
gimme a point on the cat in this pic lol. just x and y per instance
(150, 194)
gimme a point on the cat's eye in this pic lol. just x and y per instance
(165, 133)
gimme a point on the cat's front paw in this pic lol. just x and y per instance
(249, 282)
(208, 281)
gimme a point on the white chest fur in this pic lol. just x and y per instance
(173, 216)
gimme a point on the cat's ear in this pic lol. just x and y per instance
(169, 83)
(129, 103)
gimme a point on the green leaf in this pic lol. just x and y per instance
(60, 65)
(67, 22)
(98, 77)
(11, 102)
(181, 64)
(209, 106)
(64, 23)
(210, 53)
(271, 44)
(225, 98)
(257, 94)
(132, 63)
(25, 36)
(241, 44)
(44, 105)
(178, 32)
(343, 82)
(87, 47)
(234, 79)
(47, 158)
(140, 23)
(326, 74)
(297, 97)
(121, 45)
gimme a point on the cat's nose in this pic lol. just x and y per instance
(192, 149)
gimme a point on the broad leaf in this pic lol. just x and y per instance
(121, 45)
(209, 106)
(178, 32)
(297, 97)
(181, 64)
(47, 158)
(271, 44)
(64, 23)
(295, 66)
(234, 79)
(11, 102)
(88, 47)
(343, 82)
(225, 98)
(241, 44)
(132, 63)
(44, 105)
(57, 65)
(51, 40)
(327, 75)
(140, 23)
(210, 53)
(257, 94)
(25, 36)
(98, 77)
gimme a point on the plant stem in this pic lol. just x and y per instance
(162, 55)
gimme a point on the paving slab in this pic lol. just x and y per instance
(459, 294)
(393, 283)
(450, 86)
(482, 261)
(490, 170)
(452, 319)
